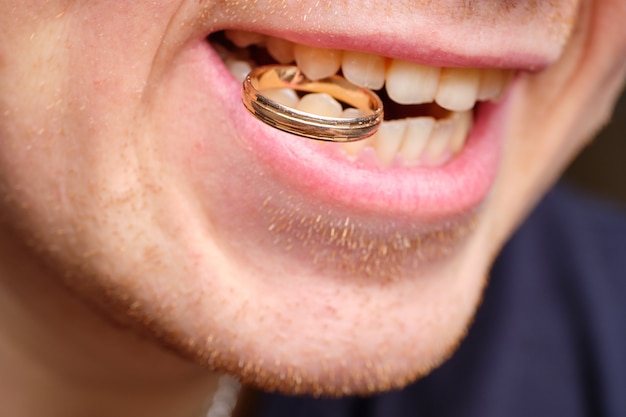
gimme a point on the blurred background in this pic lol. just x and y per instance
(600, 170)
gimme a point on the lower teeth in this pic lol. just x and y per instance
(416, 141)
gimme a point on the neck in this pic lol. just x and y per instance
(60, 357)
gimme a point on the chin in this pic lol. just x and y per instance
(316, 268)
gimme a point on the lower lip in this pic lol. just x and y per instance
(325, 174)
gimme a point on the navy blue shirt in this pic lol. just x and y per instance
(549, 339)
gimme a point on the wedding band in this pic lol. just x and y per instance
(309, 125)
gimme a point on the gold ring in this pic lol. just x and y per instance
(288, 119)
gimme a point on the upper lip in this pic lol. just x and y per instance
(411, 37)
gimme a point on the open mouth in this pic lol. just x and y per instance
(412, 191)
(429, 111)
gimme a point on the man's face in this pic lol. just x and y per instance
(129, 164)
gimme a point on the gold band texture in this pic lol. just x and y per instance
(333, 129)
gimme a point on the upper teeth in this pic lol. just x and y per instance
(455, 89)
(422, 139)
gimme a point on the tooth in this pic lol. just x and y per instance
(237, 53)
(458, 88)
(491, 83)
(464, 124)
(352, 113)
(239, 69)
(280, 49)
(321, 104)
(416, 137)
(354, 148)
(244, 39)
(438, 143)
(285, 96)
(388, 139)
(221, 50)
(364, 70)
(409, 83)
(508, 77)
(317, 63)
